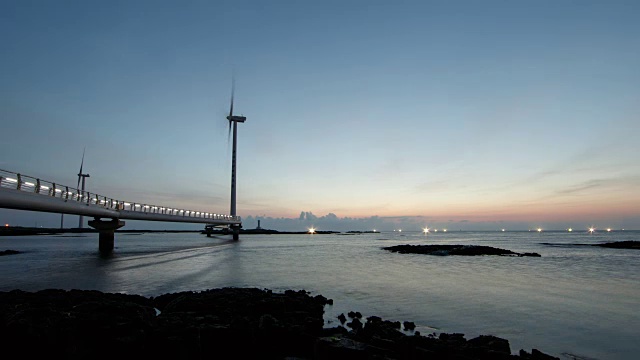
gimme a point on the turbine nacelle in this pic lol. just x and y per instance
(237, 118)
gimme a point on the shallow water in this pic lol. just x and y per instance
(578, 300)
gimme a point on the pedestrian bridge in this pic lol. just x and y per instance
(21, 192)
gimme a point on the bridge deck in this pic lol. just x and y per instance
(27, 193)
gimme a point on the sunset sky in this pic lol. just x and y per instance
(468, 114)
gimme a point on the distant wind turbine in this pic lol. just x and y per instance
(235, 120)
(83, 177)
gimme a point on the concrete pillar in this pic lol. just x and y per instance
(106, 230)
(236, 232)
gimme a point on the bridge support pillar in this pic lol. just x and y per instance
(106, 230)
(235, 230)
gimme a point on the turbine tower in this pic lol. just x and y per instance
(235, 120)
(83, 177)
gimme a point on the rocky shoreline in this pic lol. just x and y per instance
(227, 323)
(464, 250)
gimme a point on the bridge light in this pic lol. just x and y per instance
(11, 180)
(58, 190)
(127, 204)
(137, 205)
(29, 183)
(44, 187)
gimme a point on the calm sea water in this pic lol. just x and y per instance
(573, 302)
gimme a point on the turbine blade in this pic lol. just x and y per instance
(233, 90)
(81, 165)
(229, 133)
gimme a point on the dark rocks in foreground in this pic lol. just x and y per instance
(621, 245)
(465, 250)
(9, 252)
(228, 323)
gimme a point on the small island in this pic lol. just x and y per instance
(446, 250)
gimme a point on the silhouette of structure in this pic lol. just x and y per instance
(84, 177)
(235, 120)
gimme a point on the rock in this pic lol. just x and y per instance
(355, 324)
(621, 245)
(536, 355)
(9, 252)
(445, 250)
(330, 348)
(409, 325)
(342, 318)
(491, 343)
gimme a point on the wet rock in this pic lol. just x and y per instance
(536, 355)
(330, 348)
(445, 250)
(355, 324)
(9, 252)
(342, 318)
(621, 245)
(531, 254)
(409, 325)
(491, 343)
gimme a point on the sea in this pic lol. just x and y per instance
(576, 301)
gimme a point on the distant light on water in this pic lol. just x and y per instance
(445, 230)
(569, 229)
(609, 230)
(425, 230)
(539, 230)
(503, 230)
(592, 230)
(312, 230)
(6, 225)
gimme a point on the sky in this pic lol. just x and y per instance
(360, 114)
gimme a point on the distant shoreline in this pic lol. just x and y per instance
(24, 231)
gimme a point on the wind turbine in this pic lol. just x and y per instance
(235, 120)
(83, 177)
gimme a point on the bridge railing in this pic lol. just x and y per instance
(16, 181)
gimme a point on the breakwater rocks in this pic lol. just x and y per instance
(217, 323)
(465, 250)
